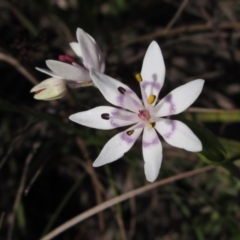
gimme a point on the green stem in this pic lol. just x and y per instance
(228, 116)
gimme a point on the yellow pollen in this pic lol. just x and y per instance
(151, 125)
(130, 132)
(138, 77)
(151, 99)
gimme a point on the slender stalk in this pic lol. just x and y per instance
(122, 198)
(20, 190)
(19, 67)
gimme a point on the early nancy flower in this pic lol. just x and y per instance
(146, 115)
(50, 89)
(71, 73)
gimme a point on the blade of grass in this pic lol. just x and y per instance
(212, 115)
(23, 19)
(21, 218)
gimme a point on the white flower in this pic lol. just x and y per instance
(146, 115)
(50, 89)
(72, 73)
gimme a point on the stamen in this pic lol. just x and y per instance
(138, 77)
(121, 90)
(151, 99)
(130, 132)
(151, 125)
(105, 116)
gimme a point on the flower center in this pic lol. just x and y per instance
(144, 115)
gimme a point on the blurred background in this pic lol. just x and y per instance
(46, 174)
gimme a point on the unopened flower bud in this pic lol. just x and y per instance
(50, 89)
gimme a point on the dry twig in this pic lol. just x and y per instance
(121, 198)
(97, 185)
(121, 227)
(20, 190)
(181, 30)
(177, 14)
(15, 63)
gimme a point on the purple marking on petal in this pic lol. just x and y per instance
(120, 99)
(112, 120)
(173, 127)
(118, 115)
(127, 94)
(155, 85)
(127, 118)
(172, 109)
(153, 142)
(115, 111)
(113, 123)
(127, 138)
(115, 116)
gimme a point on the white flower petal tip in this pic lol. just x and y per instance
(76, 48)
(153, 70)
(151, 174)
(152, 153)
(49, 89)
(104, 118)
(198, 146)
(178, 135)
(90, 51)
(98, 163)
(179, 99)
(117, 146)
(50, 73)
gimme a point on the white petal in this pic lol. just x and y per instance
(104, 117)
(116, 92)
(76, 48)
(117, 146)
(153, 70)
(101, 62)
(152, 153)
(50, 73)
(89, 49)
(179, 99)
(67, 71)
(75, 84)
(178, 135)
(49, 89)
